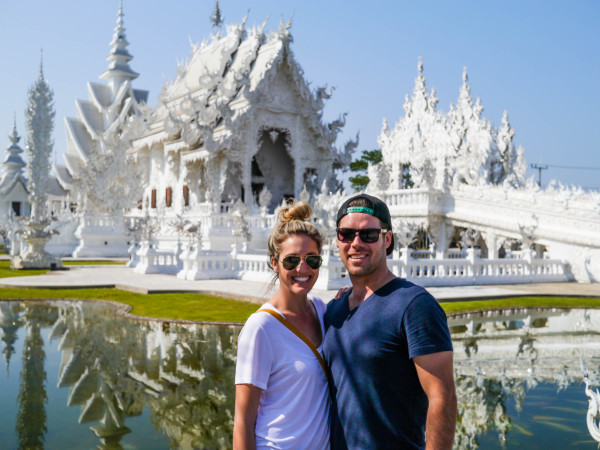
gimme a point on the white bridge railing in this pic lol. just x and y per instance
(195, 264)
(459, 272)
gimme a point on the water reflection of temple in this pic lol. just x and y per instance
(182, 374)
(114, 368)
(30, 426)
(10, 322)
(500, 355)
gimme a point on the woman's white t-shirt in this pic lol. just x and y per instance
(294, 405)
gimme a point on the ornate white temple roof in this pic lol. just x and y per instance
(106, 111)
(119, 56)
(460, 147)
(214, 89)
(13, 165)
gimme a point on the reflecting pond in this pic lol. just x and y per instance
(78, 375)
(519, 379)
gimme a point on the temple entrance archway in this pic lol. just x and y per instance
(272, 165)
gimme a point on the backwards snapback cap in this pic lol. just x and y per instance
(374, 207)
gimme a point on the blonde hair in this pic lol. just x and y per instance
(294, 218)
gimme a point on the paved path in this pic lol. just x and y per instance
(126, 279)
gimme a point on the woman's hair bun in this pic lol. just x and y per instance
(294, 211)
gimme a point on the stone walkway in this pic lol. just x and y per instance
(125, 278)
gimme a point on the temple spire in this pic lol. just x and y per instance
(216, 20)
(41, 63)
(13, 164)
(420, 100)
(465, 100)
(14, 136)
(119, 57)
(40, 123)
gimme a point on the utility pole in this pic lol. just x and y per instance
(539, 168)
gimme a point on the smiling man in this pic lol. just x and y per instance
(387, 344)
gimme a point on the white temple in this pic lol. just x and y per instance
(238, 118)
(238, 124)
(96, 174)
(467, 185)
(189, 186)
(13, 184)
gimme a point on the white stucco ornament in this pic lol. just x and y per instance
(39, 118)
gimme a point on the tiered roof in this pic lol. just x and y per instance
(214, 89)
(107, 109)
(13, 164)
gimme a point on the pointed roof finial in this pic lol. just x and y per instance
(41, 63)
(465, 77)
(14, 136)
(119, 56)
(284, 30)
(13, 163)
(420, 65)
(216, 20)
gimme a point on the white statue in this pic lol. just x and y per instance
(40, 122)
(40, 117)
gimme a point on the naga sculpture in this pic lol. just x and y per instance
(593, 412)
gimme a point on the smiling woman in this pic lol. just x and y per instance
(281, 384)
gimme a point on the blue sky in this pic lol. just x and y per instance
(538, 59)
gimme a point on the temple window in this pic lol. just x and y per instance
(186, 195)
(153, 200)
(168, 197)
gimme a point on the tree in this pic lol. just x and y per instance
(360, 166)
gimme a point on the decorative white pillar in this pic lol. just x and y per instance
(491, 241)
(441, 233)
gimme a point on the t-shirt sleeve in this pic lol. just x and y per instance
(426, 327)
(254, 355)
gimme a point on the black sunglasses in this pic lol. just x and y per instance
(367, 235)
(291, 262)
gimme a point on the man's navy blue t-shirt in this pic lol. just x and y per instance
(380, 401)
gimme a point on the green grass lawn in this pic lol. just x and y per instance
(182, 306)
(185, 306)
(6, 271)
(101, 262)
(520, 302)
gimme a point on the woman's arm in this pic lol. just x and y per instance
(247, 397)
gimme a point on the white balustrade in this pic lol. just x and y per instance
(459, 267)
(456, 253)
(152, 260)
(194, 264)
(421, 254)
(454, 272)
(403, 197)
(96, 220)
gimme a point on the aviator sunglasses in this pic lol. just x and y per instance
(291, 262)
(367, 235)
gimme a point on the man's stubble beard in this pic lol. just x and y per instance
(362, 272)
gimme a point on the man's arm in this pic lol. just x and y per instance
(436, 375)
(247, 398)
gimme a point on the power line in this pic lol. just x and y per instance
(571, 167)
(539, 168)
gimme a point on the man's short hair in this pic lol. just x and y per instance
(368, 204)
